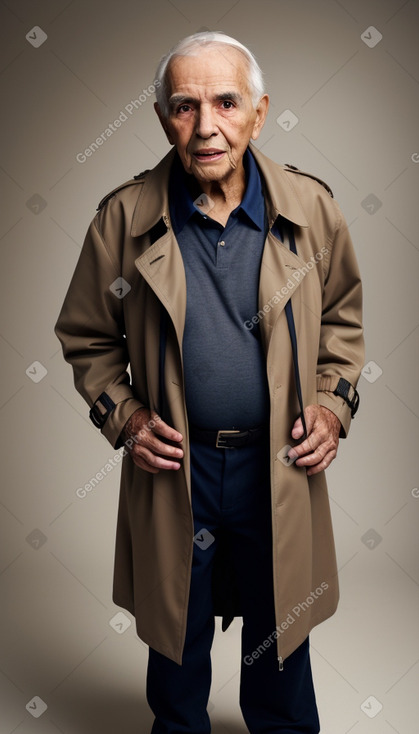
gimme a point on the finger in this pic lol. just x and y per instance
(157, 425)
(149, 441)
(317, 457)
(142, 464)
(310, 424)
(306, 447)
(322, 465)
(319, 434)
(154, 460)
(298, 429)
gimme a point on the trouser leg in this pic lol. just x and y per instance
(178, 694)
(274, 701)
(271, 700)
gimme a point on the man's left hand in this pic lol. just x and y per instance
(320, 447)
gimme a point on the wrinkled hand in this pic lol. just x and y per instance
(140, 435)
(320, 447)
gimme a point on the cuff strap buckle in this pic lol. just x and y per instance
(345, 390)
(96, 415)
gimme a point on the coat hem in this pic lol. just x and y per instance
(147, 639)
(292, 645)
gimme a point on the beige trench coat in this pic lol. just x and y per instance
(102, 333)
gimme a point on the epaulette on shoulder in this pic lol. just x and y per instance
(131, 182)
(294, 169)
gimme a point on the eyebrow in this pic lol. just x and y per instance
(177, 99)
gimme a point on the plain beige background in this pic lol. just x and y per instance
(355, 95)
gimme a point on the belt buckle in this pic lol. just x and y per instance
(219, 438)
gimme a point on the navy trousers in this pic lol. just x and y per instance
(231, 494)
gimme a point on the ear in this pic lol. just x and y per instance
(261, 112)
(163, 122)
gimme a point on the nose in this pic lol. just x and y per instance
(205, 124)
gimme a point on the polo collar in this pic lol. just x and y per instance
(182, 205)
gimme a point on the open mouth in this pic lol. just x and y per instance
(208, 155)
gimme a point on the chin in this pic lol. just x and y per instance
(210, 173)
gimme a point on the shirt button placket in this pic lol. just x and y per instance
(220, 253)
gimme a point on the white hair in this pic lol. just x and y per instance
(188, 46)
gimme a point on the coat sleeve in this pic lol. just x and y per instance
(91, 330)
(341, 348)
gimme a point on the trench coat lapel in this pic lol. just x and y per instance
(162, 267)
(281, 275)
(161, 264)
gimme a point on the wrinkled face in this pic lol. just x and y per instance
(211, 115)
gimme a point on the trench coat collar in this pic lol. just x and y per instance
(153, 204)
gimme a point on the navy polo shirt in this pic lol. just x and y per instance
(224, 363)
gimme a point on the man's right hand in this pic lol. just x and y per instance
(140, 435)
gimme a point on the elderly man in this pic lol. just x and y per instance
(229, 285)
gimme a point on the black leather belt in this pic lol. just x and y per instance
(228, 439)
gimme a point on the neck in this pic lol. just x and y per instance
(226, 195)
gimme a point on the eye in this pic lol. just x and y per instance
(183, 108)
(227, 104)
